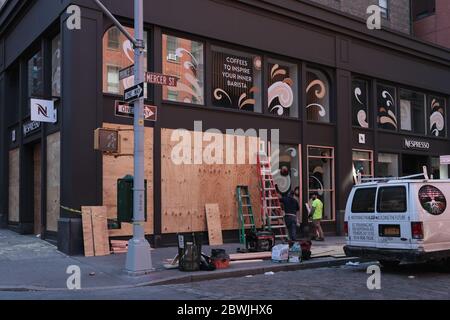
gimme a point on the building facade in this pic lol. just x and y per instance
(344, 101)
(396, 14)
(432, 21)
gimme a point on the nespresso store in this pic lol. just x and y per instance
(345, 100)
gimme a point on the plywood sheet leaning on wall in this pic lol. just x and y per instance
(95, 231)
(14, 183)
(88, 232)
(187, 188)
(116, 168)
(53, 180)
(214, 224)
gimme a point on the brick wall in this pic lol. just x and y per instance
(399, 11)
(435, 28)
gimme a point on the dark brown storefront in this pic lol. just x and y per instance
(353, 97)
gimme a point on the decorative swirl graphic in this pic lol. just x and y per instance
(322, 111)
(362, 119)
(292, 152)
(437, 121)
(127, 48)
(321, 188)
(285, 95)
(242, 103)
(389, 102)
(193, 86)
(358, 93)
(220, 93)
(320, 94)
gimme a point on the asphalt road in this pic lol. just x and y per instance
(348, 283)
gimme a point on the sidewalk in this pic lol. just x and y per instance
(30, 264)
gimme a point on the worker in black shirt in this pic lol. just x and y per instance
(291, 210)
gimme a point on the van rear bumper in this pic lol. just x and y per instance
(414, 256)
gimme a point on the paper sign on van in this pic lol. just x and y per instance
(43, 111)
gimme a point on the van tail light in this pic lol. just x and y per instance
(417, 230)
(346, 228)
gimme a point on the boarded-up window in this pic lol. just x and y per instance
(53, 180)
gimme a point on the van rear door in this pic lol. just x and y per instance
(393, 216)
(361, 217)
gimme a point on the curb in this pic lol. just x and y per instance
(190, 278)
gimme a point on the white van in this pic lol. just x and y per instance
(395, 221)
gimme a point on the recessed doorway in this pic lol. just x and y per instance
(413, 164)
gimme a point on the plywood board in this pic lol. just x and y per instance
(187, 187)
(14, 183)
(37, 189)
(100, 229)
(88, 231)
(53, 180)
(250, 256)
(214, 224)
(116, 168)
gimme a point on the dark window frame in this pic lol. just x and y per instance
(379, 199)
(359, 190)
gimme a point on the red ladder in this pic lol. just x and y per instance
(271, 212)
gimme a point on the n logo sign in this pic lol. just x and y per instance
(43, 111)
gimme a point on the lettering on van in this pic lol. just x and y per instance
(363, 232)
(384, 217)
(432, 200)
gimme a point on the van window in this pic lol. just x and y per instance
(364, 200)
(392, 199)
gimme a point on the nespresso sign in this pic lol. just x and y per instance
(413, 144)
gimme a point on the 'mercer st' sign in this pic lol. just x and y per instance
(416, 144)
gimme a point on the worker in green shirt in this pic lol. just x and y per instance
(317, 216)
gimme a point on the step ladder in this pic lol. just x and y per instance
(245, 210)
(271, 211)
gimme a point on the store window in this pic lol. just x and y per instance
(321, 177)
(113, 38)
(387, 107)
(56, 66)
(317, 96)
(436, 167)
(113, 79)
(282, 91)
(362, 164)
(437, 113)
(387, 165)
(384, 6)
(236, 79)
(118, 54)
(36, 76)
(286, 171)
(360, 103)
(184, 59)
(412, 111)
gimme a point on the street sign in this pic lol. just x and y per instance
(123, 109)
(126, 73)
(161, 79)
(43, 111)
(134, 93)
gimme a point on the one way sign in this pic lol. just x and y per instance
(134, 93)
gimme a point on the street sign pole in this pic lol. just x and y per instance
(138, 260)
(138, 256)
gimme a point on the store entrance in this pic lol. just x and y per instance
(413, 164)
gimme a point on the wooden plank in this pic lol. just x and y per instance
(100, 230)
(214, 224)
(88, 232)
(14, 185)
(37, 189)
(116, 168)
(251, 256)
(53, 180)
(183, 185)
